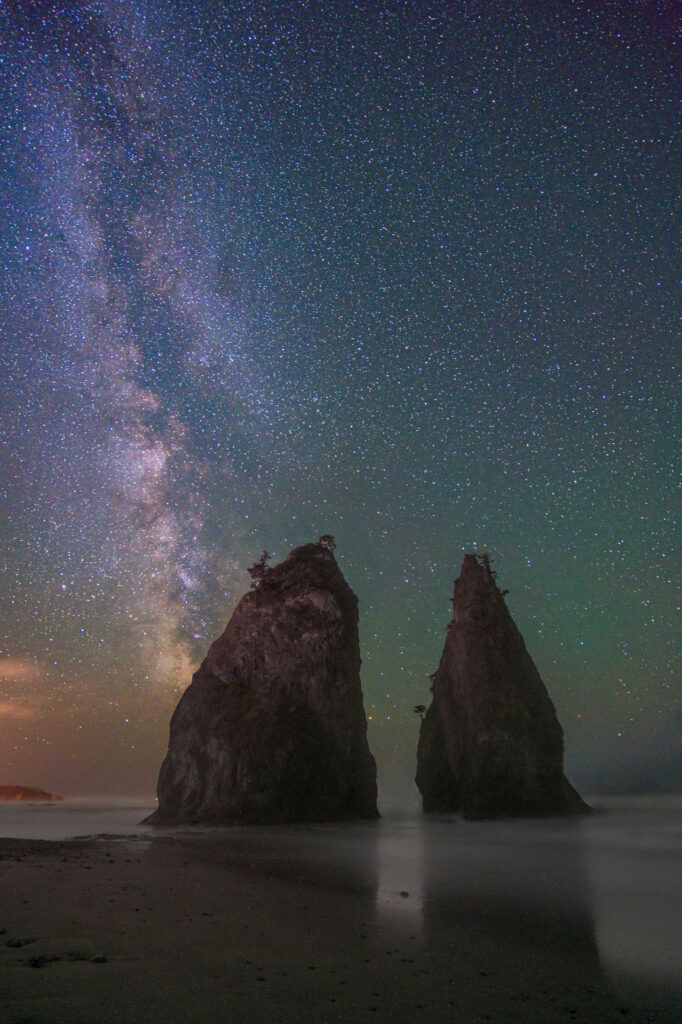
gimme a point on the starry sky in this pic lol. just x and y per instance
(402, 272)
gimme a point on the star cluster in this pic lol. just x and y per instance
(404, 273)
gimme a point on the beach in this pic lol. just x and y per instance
(403, 919)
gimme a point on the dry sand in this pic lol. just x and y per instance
(320, 924)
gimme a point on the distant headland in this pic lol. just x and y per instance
(28, 794)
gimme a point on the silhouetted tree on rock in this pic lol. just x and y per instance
(259, 569)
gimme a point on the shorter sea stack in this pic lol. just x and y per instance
(273, 727)
(490, 744)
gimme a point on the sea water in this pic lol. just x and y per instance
(651, 822)
(69, 819)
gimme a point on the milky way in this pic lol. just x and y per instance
(401, 273)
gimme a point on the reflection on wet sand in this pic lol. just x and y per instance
(447, 915)
(525, 882)
(400, 873)
(633, 850)
(338, 858)
(510, 902)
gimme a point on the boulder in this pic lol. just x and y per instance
(490, 744)
(273, 727)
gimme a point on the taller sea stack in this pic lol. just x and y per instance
(272, 727)
(490, 744)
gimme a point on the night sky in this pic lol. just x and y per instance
(399, 272)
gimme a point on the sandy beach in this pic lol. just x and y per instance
(386, 921)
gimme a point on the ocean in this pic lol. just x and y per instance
(641, 820)
(69, 819)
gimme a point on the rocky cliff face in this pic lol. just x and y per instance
(490, 744)
(272, 727)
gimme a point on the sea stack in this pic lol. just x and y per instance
(273, 727)
(490, 744)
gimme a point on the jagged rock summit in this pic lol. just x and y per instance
(273, 727)
(490, 744)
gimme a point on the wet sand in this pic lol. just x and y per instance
(373, 922)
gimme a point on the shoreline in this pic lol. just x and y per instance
(328, 923)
